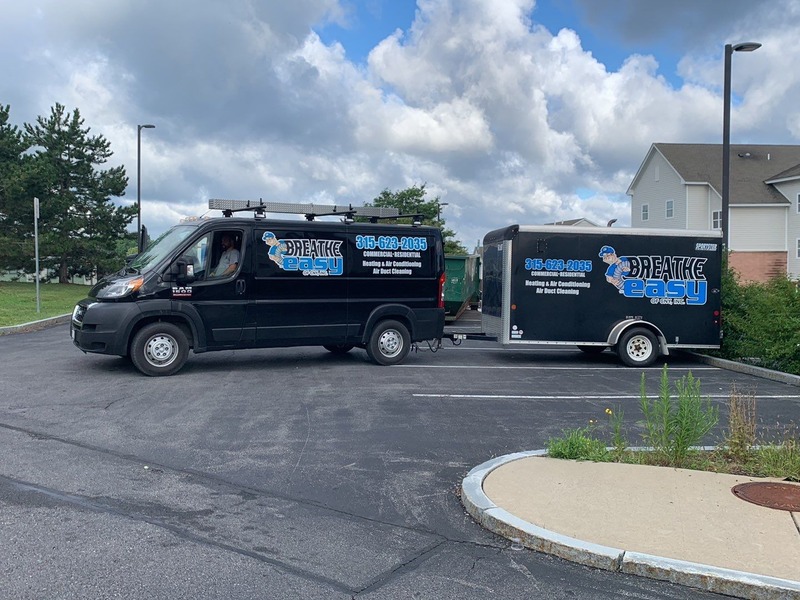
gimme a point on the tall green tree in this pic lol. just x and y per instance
(79, 225)
(13, 186)
(412, 201)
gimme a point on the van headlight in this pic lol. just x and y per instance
(121, 287)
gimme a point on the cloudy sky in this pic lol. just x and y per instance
(512, 111)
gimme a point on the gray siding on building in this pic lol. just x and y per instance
(700, 205)
(758, 228)
(791, 189)
(655, 192)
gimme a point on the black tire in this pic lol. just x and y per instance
(389, 343)
(339, 348)
(159, 349)
(592, 349)
(638, 347)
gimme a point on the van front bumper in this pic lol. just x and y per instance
(101, 327)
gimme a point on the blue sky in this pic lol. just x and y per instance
(367, 23)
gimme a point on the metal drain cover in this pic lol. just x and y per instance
(781, 496)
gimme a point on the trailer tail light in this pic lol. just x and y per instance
(441, 290)
(716, 317)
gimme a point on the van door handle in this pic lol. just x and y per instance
(241, 285)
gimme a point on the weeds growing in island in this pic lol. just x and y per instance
(672, 427)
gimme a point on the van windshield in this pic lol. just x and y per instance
(162, 247)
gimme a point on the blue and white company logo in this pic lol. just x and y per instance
(663, 279)
(315, 258)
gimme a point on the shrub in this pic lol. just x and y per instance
(761, 322)
(672, 427)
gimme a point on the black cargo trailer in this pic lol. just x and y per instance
(641, 292)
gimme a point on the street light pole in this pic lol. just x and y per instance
(726, 134)
(439, 206)
(139, 240)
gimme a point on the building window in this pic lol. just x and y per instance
(716, 219)
(645, 212)
(670, 209)
(798, 248)
(798, 203)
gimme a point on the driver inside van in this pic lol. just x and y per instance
(229, 259)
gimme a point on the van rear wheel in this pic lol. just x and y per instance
(638, 347)
(159, 349)
(389, 343)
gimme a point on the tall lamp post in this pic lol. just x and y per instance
(140, 241)
(439, 206)
(726, 133)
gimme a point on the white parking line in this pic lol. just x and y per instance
(578, 397)
(551, 368)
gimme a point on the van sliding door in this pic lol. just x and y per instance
(300, 287)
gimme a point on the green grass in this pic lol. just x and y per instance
(781, 461)
(18, 301)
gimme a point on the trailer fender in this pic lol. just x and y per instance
(623, 326)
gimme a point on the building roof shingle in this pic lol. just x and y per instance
(751, 166)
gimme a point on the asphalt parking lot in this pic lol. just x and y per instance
(295, 473)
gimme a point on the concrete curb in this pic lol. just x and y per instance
(35, 325)
(745, 368)
(713, 579)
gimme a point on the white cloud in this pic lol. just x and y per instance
(503, 119)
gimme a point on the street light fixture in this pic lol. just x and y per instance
(139, 237)
(726, 133)
(439, 206)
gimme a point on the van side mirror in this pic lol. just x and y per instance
(181, 271)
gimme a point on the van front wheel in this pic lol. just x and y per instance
(389, 343)
(159, 349)
(638, 347)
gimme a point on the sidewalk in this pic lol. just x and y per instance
(677, 525)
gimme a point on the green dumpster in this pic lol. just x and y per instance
(461, 285)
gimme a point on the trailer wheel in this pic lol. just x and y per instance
(339, 348)
(389, 343)
(159, 349)
(638, 347)
(591, 349)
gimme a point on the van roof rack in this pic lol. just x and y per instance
(416, 218)
(310, 210)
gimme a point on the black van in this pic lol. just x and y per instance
(234, 282)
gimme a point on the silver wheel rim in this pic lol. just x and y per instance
(390, 343)
(639, 348)
(161, 350)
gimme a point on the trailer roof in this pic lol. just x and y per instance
(506, 233)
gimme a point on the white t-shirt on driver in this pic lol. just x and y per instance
(228, 258)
